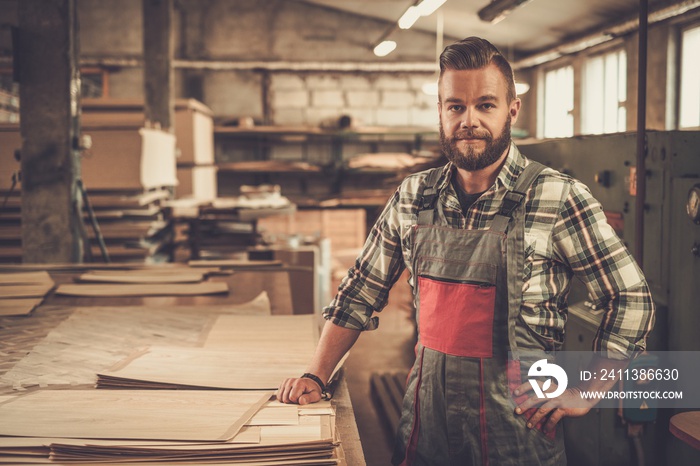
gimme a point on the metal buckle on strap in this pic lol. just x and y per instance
(510, 202)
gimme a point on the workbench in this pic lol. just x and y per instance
(19, 334)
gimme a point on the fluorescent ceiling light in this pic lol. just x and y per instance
(410, 17)
(521, 88)
(384, 48)
(498, 9)
(424, 8)
(428, 7)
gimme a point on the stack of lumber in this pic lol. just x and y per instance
(21, 292)
(240, 352)
(180, 347)
(151, 282)
(132, 224)
(174, 426)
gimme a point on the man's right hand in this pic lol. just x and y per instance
(302, 391)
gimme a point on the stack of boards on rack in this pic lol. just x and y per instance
(180, 385)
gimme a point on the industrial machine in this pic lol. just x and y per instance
(671, 263)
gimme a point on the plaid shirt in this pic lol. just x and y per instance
(566, 234)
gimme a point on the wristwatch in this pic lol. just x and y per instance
(325, 394)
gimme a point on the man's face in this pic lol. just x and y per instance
(475, 117)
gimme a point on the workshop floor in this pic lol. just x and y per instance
(388, 349)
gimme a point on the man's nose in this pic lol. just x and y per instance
(469, 119)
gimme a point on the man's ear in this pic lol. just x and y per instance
(514, 110)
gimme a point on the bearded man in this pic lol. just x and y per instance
(491, 241)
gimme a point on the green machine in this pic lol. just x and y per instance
(671, 245)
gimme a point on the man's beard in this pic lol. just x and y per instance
(470, 159)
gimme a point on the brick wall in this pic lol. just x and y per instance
(370, 99)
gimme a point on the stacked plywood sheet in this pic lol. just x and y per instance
(175, 427)
(243, 427)
(21, 292)
(241, 352)
(126, 162)
(132, 224)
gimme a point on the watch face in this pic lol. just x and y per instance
(693, 205)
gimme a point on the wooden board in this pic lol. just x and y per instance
(122, 414)
(296, 334)
(37, 290)
(93, 339)
(25, 278)
(18, 306)
(186, 289)
(233, 263)
(142, 277)
(173, 367)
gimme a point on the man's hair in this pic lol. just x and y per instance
(474, 53)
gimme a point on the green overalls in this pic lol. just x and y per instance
(459, 407)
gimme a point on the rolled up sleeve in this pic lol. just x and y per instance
(365, 289)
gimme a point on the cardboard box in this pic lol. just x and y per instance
(198, 182)
(346, 228)
(193, 125)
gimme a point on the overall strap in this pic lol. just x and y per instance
(426, 208)
(513, 198)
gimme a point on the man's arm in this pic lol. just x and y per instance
(335, 341)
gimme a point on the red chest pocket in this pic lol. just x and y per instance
(456, 317)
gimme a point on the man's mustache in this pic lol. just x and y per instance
(468, 134)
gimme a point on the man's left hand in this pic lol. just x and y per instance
(568, 403)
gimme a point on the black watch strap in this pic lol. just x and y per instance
(325, 395)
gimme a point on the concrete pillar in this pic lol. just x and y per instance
(193, 29)
(49, 124)
(158, 62)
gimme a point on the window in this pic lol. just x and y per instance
(605, 94)
(689, 115)
(558, 103)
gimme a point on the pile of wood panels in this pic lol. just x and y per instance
(345, 228)
(20, 293)
(128, 172)
(185, 348)
(165, 427)
(132, 224)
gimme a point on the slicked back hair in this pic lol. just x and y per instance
(474, 53)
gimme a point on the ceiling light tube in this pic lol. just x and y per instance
(498, 9)
(521, 88)
(409, 18)
(384, 48)
(428, 7)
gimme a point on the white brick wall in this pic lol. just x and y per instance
(327, 98)
(398, 99)
(322, 82)
(290, 99)
(369, 98)
(287, 82)
(393, 83)
(387, 100)
(289, 116)
(355, 82)
(392, 117)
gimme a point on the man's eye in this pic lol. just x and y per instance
(456, 108)
(488, 106)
